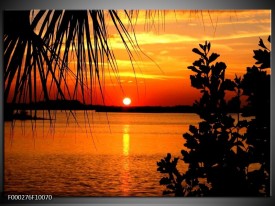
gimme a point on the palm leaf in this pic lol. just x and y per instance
(39, 46)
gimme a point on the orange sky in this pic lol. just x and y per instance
(233, 34)
(160, 75)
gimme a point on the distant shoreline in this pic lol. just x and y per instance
(10, 109)
(76, 105)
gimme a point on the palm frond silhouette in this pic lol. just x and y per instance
(40, 45)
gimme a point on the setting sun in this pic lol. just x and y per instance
(127, 101)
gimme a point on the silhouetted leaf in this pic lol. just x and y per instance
(213, 57)
(202, 47)
(191, 143)
(209, 46)
(195, 50)
(194, 69)
(168, 157)
(263, 58)
(193, 129)
(164, 181)
(184, 153)
(198, 63)
(261, 44)
(187, 135)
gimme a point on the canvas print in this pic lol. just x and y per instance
(137, 103)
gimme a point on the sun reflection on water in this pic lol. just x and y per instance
(126, 140)
(125, 176)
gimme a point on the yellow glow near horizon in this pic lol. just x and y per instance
(233, 34)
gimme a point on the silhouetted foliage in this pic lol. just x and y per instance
(222, 150)
(39, 47)
(256, 85)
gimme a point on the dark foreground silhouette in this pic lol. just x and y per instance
(225, 156)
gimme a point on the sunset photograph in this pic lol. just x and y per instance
(137, 103)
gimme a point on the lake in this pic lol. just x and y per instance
(92, 153)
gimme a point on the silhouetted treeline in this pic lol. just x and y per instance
(225, 156)
(77, 105)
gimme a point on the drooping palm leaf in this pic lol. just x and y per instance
(39, 45)
(24, 56)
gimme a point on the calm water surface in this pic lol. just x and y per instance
(98, 154)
